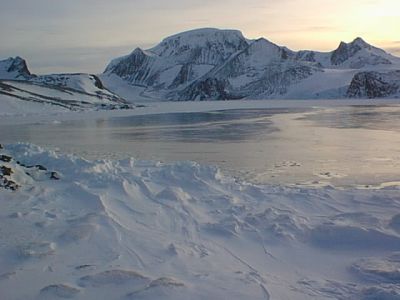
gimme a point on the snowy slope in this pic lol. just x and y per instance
(86, 83)
(12, 106)
(65, 91)
(354, 55)
(129, 229)
(64, 97)
(221, 64)
(261, 69)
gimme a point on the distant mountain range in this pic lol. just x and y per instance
(67, 91)
(213, 64)
(222, 64)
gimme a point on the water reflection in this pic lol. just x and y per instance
(327, 145)
(183, 119)
(367, 117)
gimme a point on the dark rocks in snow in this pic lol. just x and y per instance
(210, 88)
(5, 158)
(5, 182)
(183, 76)
(6, 171)
(132, 67)
(97, 82)
(54, 176)
(344, 52)
(8, 184)
(374, 85)
(36, 172)
(41, 168)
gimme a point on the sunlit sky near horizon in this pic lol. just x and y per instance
(84, 35)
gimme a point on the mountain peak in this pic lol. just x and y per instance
(348, 50)
(14, 68)
(208, 31)
(360, 42)
(222, 42)
(138, 51)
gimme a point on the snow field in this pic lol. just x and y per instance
(134, 229)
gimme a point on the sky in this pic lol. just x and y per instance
(84, 35)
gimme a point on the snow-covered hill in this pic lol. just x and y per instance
(222, 64)
(66, 91)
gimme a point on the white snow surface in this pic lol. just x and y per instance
(12, 107)
(134, 229)
(81, 82)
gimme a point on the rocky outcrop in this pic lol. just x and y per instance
(210, 88)
(375, 85)
(14, 68)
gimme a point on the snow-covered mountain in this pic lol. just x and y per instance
(178, 60)
(14, 68)
(67, 91)
(214, 64)
(222, 64)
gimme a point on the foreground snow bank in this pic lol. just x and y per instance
(72, 228)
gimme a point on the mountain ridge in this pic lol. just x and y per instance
(214, 64)
(70, 91)
(221, 64)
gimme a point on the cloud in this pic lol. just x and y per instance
(393, 50)
(78, 32)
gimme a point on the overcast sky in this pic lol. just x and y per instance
(84, 35)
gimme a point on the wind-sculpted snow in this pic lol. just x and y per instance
(134, 229)
(221, 64)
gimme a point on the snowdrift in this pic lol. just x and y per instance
(129, 229)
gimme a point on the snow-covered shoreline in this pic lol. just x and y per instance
(146, 230)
